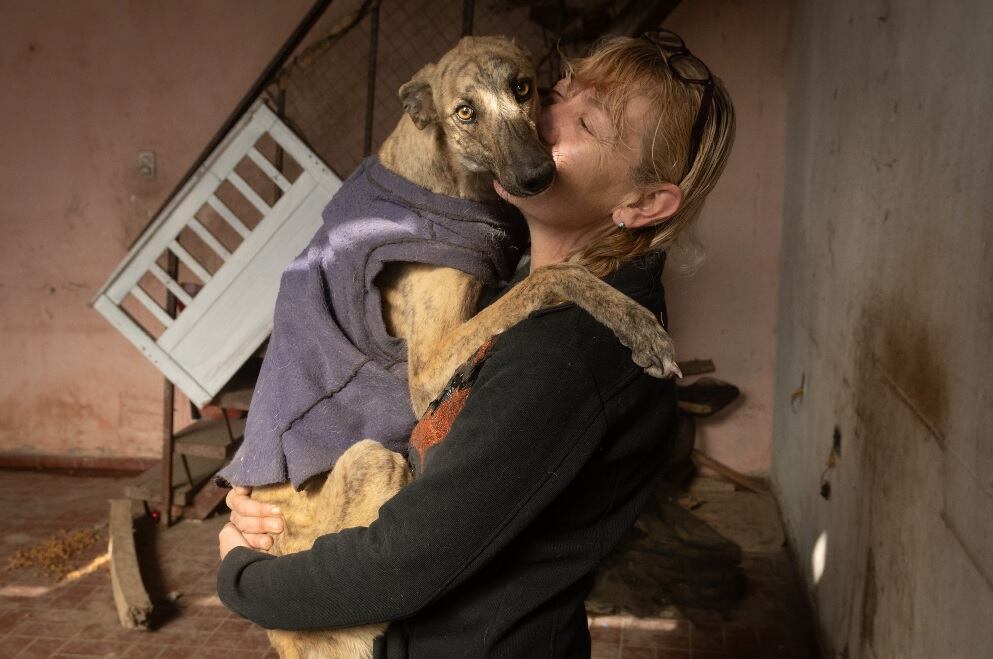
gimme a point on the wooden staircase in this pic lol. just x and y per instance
(196, 453)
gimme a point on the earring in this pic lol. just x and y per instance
(620, 225)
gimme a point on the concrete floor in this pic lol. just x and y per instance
(42, 616)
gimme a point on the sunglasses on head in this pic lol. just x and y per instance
(688, 68)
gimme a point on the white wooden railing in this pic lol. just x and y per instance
(230, 315)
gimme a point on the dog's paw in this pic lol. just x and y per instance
(651, 346)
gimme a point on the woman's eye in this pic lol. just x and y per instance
(522, 89)
(465, 113)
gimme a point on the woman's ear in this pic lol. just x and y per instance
(660, 203)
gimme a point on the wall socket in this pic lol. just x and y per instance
(146, 164)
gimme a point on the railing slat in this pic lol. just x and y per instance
(171, 284)
(209, 238)
(269, 169)
(228, 216)
(150, 304)
(250, 194)
(189, 261)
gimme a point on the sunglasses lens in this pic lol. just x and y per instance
(668, 40)
(689, 68)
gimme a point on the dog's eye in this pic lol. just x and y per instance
(522, 89)
(465, 113)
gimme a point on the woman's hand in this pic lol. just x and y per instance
(253, 520)
(229, 538)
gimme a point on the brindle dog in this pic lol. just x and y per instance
(468, 119)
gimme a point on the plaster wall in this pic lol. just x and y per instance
(83, 87)
(727, 309)
(87, 85)
(886, 312)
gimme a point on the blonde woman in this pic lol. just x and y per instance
(537, 458)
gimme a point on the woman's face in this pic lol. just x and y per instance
(592, 162)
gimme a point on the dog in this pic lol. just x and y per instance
(468, 119)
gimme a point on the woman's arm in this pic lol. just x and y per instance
(534, 418)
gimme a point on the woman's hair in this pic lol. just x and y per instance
(619, 69)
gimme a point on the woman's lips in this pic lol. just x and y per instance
(501, 191)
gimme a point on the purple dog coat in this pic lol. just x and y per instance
(332, 375)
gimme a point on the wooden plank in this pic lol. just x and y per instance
(696, 367)
(134, 608)
(209, 438)
(147, 486)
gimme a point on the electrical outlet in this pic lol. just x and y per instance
(146, 164)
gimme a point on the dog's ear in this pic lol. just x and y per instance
(417, 99)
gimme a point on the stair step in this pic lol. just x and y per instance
(147, 486)
(237, 393)
(206, 501)
(235, 399)
(209, 438)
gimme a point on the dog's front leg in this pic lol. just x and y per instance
(635, 326)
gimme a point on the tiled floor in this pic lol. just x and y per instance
(41, 616)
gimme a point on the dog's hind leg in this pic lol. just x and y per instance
(365, 477)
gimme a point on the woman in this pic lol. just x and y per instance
(538, 459)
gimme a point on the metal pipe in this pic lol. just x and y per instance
(168, 409)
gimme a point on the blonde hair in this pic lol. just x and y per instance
(619, 69)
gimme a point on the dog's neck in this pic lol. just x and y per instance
(422, 156)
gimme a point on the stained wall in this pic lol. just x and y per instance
(885, 326)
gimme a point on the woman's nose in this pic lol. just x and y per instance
(546, 125)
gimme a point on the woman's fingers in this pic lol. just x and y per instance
(259, 540)
(254, 524)
(239, 500)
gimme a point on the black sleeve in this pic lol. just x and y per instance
(532, 421)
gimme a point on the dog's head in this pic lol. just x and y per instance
(482, 96)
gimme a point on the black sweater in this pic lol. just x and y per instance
(490, 551)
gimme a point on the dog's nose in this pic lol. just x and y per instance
(538, 178)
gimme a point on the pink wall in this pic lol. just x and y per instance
(727, 310)
(87, 85)
(84, 87)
